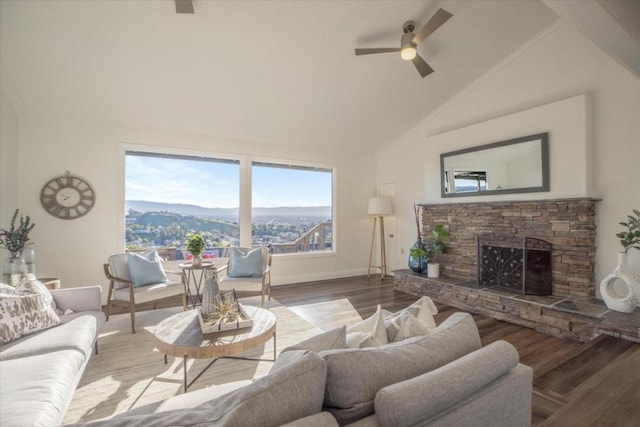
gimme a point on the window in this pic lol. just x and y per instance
(168, 196)
(291, 208)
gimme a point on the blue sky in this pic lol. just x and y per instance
(213, 185)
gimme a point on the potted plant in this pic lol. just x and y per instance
(438, 236)
(195, 245)
(624, 301)
(14, 240)
(630, 238)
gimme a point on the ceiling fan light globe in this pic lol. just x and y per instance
(408, 53)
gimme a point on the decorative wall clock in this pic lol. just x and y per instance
(67, 197)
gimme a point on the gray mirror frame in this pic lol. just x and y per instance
(544, 148)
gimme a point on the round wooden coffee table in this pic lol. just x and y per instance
(180, 336)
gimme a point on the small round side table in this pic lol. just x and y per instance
(195, 275)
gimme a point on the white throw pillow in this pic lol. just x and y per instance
(24, 314)
(6, 289)
(30, 285)
(422, 310)
(410, 327)
(369, 332)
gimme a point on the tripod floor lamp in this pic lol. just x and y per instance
(379, 207)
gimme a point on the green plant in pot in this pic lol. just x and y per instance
(630, 238)
(195, 245)
(439, 235)
(620, 290)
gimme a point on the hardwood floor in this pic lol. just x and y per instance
(594, 384)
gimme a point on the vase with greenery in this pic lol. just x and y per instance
(628, 299)
(14, 240)
(418, 254)
(195, 245)
(631, 237)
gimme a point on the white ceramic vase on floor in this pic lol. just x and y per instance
(625, 296)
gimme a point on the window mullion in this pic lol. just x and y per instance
(245, 202)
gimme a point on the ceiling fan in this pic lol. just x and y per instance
(184, 6)
(410, 41)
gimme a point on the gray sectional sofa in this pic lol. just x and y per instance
(445, 378)
(40, 372)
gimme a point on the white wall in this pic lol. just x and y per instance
(74, 250)
(600, 142)
(8, 163)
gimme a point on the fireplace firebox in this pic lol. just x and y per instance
(514, 263)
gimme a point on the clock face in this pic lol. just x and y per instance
(67, 197)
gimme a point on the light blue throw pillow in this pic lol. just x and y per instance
(245, 264)
(146, 270)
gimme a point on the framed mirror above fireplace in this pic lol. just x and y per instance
(519, 165)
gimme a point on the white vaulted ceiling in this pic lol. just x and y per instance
(272, 71)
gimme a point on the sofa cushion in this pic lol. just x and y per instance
(397, 405)
(37, 389)
(23, 315)
(328, 340)
(77, 332)
(354, 376)
(298, 386)
(321, 419)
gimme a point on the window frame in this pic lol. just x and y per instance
(245, 201)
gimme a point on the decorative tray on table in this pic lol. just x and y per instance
(225, 314)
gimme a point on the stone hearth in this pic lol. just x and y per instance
(558, 316)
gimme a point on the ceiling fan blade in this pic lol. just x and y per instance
(440, 17)
(184, 6)
(376, 50)
(421, 65)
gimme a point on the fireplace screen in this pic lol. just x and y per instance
(514, 263)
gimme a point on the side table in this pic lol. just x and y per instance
(196, 276)
(50, 282)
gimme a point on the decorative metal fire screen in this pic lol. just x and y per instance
(514, 263)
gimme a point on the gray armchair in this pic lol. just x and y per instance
(247, 280)
(124, 292)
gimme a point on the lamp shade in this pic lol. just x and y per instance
(379, 206)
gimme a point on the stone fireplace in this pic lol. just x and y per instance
(522, 239)
(567, 225)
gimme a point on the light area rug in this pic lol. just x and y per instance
(328, 314)
(129, 372)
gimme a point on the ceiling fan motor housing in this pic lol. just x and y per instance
(408, 27)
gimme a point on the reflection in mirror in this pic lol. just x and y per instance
(518, 165)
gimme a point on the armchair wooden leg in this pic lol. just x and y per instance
(132, 309)
(109, 300)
